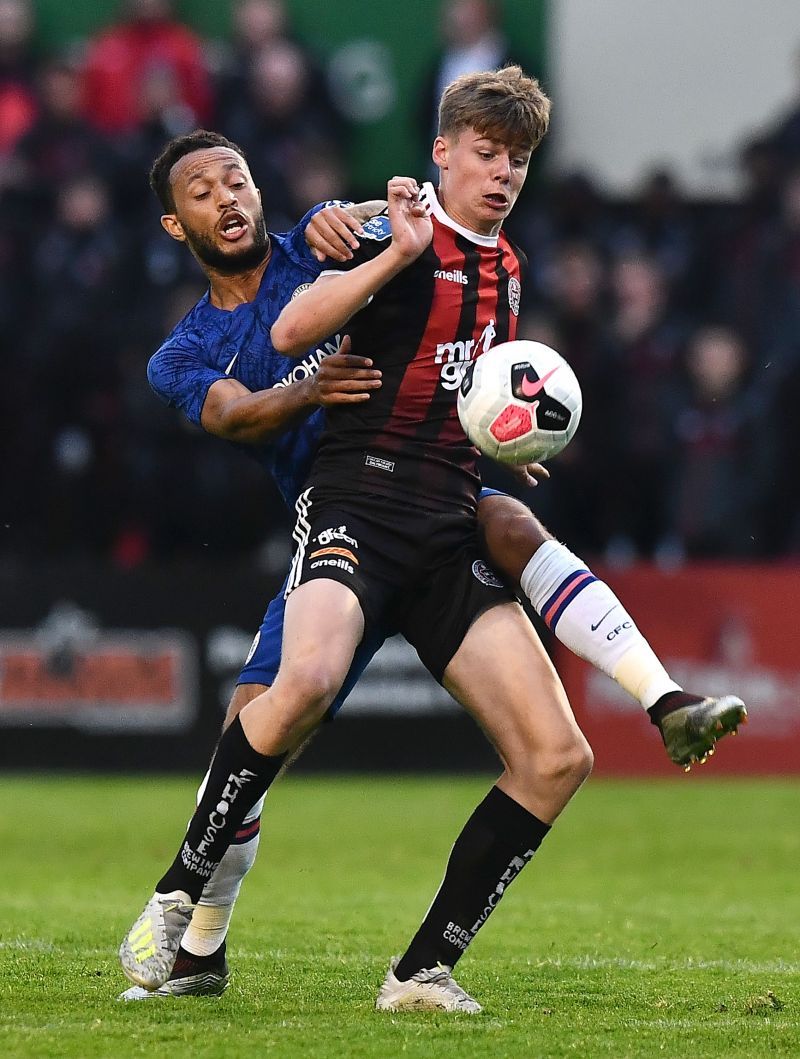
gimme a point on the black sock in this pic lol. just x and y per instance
(188, 963)
(672, 700)
(238, 777)
(497, 842)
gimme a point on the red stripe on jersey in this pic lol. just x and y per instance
(421, 377)
(492, 300)
(485, 321)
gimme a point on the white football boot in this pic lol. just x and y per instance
(432, 989)
(148, 952)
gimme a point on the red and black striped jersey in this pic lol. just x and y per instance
(461, 296)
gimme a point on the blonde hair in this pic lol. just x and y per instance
(506, 105)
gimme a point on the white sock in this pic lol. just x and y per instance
(212, 915)
(589, 619)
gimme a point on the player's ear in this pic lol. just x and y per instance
(439, 152)
(172, 226)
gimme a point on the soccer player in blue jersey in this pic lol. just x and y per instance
(220, 368)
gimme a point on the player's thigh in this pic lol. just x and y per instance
(503, 677)
(322, 627)
(510, 533)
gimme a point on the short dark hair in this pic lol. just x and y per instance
(175, 150)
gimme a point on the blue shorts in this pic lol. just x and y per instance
(264, 657)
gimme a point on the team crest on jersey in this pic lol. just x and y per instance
(299, 290)
(377, 229)
(485, 574)
(514, 294)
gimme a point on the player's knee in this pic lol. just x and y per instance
(512, 533)
(309, 688)
(523, 533)
(567, 764)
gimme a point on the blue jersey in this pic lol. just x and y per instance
(210, 344)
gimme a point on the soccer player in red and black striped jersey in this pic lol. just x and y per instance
(386, 531)
(460, 296)
(387, 534)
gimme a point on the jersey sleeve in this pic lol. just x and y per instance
(295, 240)
(179, 377)
(377, 236)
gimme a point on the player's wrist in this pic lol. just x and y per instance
(399, 258)
(308, 393)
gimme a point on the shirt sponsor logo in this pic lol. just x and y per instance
(379, 463)
(309, 365)
(456, 276)
(485, 574)
(455, 357)
(514, 295)
(378, 229)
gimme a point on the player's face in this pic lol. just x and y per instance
(218, 210)
(480, 178)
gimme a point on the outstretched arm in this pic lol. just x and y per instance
(233, 412)
(332, 300)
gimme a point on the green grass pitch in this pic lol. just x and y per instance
(659, 919)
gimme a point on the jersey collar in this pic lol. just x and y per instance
(430, 199)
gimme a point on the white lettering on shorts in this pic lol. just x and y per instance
(340, 564)
(327, 536)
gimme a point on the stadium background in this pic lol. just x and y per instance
(663, 229)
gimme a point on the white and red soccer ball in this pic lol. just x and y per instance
(520, 402)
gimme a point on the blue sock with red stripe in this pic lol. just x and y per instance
(583, 612)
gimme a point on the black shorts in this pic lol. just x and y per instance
(416, 572)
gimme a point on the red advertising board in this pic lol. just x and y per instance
(68, 671)
(717, 629)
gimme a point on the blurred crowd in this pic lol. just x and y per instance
(681, 319)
